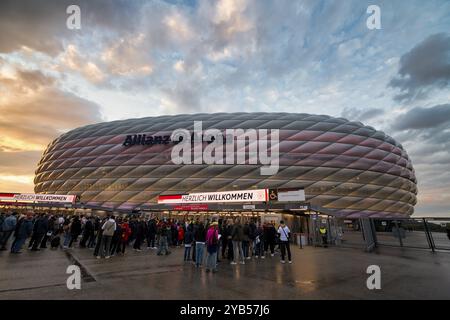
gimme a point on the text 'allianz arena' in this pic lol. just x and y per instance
(349, 169)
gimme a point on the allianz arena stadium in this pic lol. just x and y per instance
(346, 168)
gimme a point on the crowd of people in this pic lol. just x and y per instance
(205, 243)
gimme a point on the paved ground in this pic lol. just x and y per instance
(317, 273)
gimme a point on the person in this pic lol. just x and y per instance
(246, 241)
(140, 233)
(23, 231)
(97, 227)
(39, 231)
(66, 230)
(98, 241)
(87, 232)
(126, 232)
(229, 231)
(8, 227)
(75, 230)
(116, 238)
(180, 234)
(252, 236)
(284, 233)
(151, 233)
(237, 235)
(212, 243)
(259, 242)
(323, 234)
(200, 238)
(163, 232)
(49, 233)
(174, 234)
(188, 238)
(2, 218)
(224, 238)
(269, 238)
(108, 231)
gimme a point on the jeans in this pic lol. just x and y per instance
(259, 248)
(163, 245)
(187, 253)
(245, 248)
(67, 238)
(284, 245)
(17, 245)
(151, 240)
(199, 248)
(237, 251)
(105, 246)
(211, 261)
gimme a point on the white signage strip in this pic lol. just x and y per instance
(294, 195)
(259, 195)
(41, 198)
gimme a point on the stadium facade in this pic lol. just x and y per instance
(346, 168)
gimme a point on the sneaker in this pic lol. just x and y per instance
(290, 261)
(282, 261)
(242, 262)
(272, 254)
(107, 257)
(256, 257)
(98, 257)
(263, 257)
(232, 262)
(248, 258)
(138, 250)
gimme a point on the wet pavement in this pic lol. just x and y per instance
(317, 273)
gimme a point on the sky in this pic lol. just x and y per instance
(138, 58)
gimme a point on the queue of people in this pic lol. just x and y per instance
(204, 242)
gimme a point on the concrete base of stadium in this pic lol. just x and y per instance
(316, 273)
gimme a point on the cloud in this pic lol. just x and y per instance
(41, 25)
(424, 67)
(423, 118)
(361, 114)
(33, 110)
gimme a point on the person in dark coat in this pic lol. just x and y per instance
(93, 236)
(23, 232)
(99, 238)
(230, 255)
(75, 230)
(151, 234)
(39, 230)
(87, 232)
(270, 234)
(49, 233)
(140, 233)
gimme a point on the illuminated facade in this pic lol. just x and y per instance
(349, 169)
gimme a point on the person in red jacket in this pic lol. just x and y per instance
(126, 232)
(180, 234)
